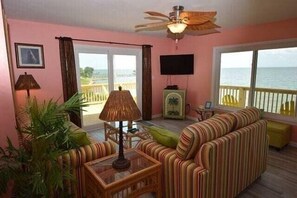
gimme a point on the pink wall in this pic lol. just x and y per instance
(50, 77)
(198, 85)
(7, 115)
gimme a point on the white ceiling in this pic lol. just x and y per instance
(123, 15)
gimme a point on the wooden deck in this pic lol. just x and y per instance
(280, 178)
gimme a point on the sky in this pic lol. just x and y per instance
(283, 57)
(99, 61)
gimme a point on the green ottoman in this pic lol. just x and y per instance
(279, 134)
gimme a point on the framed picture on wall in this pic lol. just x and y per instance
(29, 55)
(208, 105)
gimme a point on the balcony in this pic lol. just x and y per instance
(279, 101)
(96, 95)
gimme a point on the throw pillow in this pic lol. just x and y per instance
(163, 136)
(79, 138)
(78, 135)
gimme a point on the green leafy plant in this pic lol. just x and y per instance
(34, 167)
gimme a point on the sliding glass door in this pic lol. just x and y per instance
(101, 70)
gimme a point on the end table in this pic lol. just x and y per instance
(203, 113)
(143, 176)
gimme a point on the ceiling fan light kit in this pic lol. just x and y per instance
(181, 22)
(176, 28)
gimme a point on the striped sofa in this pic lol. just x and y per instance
(75, 158)
(218, 157)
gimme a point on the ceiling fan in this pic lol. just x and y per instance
(180, 22)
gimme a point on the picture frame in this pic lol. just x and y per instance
(207, 104)
(29, 55)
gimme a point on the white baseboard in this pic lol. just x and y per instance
(294, 144)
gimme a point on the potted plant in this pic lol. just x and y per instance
(34, 167)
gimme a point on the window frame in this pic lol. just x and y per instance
(217, 51)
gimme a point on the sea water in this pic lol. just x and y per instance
(267, 77)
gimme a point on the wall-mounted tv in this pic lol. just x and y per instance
(181, 64)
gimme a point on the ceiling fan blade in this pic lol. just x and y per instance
(155, 18)
(199, 20)
(201, 32)
(147, 25)
(151, 26)
(196, 14)
(175, 36)
(156, 14)
(205, 26)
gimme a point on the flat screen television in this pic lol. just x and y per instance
(181, 64)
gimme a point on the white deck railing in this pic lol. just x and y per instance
(271, 100)
(279, 101)
(98, 93)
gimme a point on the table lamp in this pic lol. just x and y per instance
(120, 106)
(26, 82)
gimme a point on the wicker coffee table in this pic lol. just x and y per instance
(143, 176)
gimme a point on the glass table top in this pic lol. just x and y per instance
(107, 174)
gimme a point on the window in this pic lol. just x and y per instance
(260, 75)
(101, 70)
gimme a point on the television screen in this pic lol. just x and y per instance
(181, 64)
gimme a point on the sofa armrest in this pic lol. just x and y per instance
(176, 172)
(154, 149)
(75, 159)
(166, 156)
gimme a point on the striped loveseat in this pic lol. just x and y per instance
(75, 159)
(218, 157)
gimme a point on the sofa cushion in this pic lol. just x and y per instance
(164, 136)
(196, 134)
(246, 116)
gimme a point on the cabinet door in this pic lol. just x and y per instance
(174, 104)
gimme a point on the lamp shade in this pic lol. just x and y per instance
(177, 27)
(120, 106)
(26, 81)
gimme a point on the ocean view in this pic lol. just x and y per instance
(273, 77)
(124, 75)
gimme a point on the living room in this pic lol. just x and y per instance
(199, 85)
